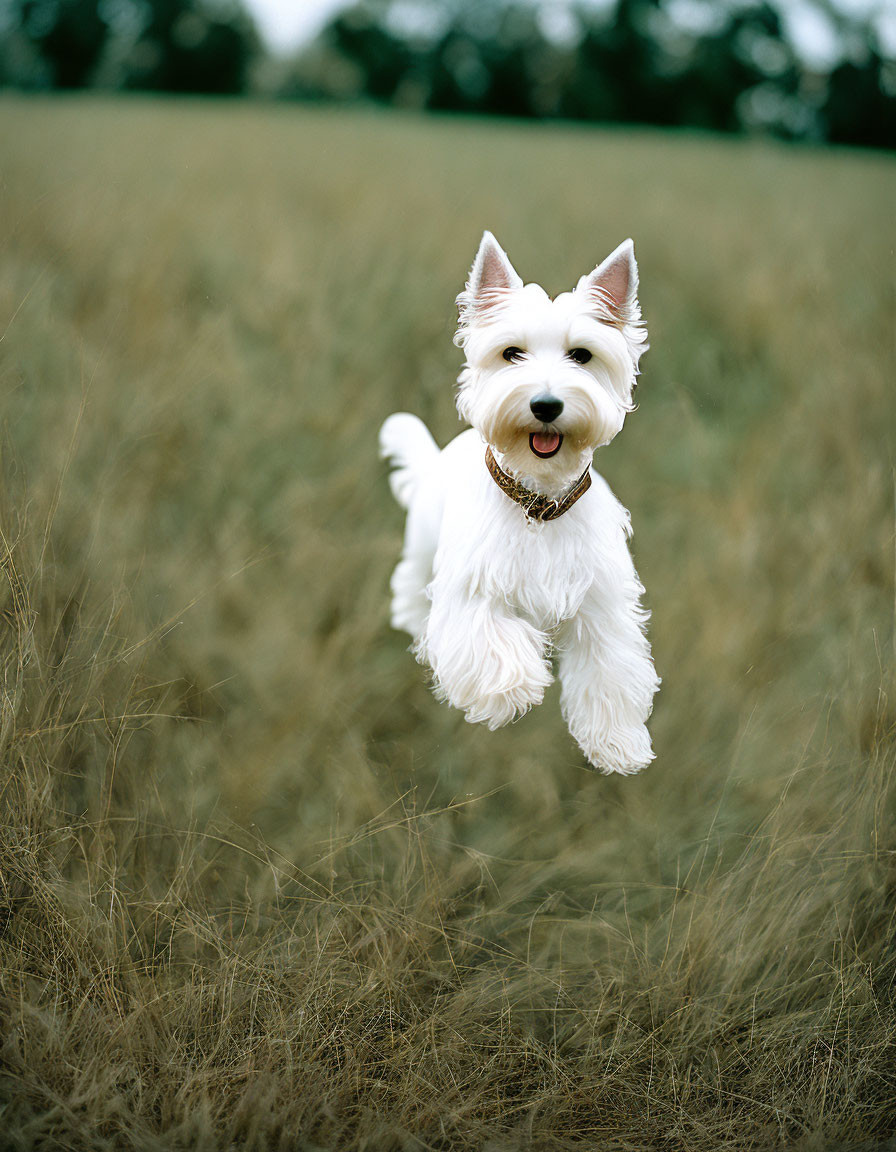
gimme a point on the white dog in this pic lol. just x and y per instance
(515, 548)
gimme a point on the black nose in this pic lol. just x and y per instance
(546, 408)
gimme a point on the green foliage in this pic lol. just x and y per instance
(69, 33)
(728, 66)
(719, 65)
(191, 46)
(258, 888)
(155, 45)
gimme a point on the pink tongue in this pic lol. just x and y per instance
(545, 441)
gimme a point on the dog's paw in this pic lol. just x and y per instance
(487, 663)
(501, 708)
(622, 750)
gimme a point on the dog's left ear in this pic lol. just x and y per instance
(613, 285)
(612, 293)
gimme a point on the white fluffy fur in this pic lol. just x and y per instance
(490, 595)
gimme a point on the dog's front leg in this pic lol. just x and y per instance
(486, 661)
(609, 682)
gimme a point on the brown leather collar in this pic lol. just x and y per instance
(536, 506)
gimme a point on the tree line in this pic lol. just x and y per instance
(146, 45)
(732, 69)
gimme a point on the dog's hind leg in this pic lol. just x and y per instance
(413, 454)
(410, 602)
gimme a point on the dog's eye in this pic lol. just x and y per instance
(512, 354)
(580, 355)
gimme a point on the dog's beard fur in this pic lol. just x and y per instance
(498, 313)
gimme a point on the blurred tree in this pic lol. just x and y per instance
(731, 69)
(509, 59)
(164, 45)
(68, 34)
(190, 46)
(860, 106)
(722, 65)
(749, 50)
(637, 66)
(618, 74)
(458, 76)
(362, 36)
(488, 65)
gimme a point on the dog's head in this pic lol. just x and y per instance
(547, 381)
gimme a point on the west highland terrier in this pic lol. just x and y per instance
(515, 548)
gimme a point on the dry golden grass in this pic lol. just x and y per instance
(258, 889)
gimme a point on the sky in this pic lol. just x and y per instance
(287, 24)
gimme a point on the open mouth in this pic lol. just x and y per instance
(545, 444)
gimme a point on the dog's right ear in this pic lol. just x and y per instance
(491, 269)
(491, 278)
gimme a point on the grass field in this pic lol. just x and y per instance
(259, 890)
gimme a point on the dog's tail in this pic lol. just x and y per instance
(406, 443)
